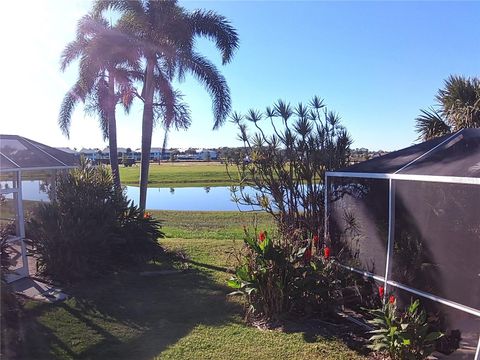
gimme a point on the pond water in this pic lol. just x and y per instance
(188, 198)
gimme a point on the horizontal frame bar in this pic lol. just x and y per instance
(39, 168)
(8, 191)
(361, 272)
(407, 177)
(432, 297)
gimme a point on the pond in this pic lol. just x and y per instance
(188, 198)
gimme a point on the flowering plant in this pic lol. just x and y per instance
(404, 336)
(276, 275)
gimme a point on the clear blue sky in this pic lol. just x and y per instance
(375, 63)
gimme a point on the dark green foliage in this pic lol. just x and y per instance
(9, 306)
(405, 336)
(458, 107)
(6, 230)
(90, 228)
(287, 169)
(278, 276)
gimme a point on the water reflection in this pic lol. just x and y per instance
(189, 198)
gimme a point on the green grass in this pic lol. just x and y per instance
(181, 316)
(212, 225)
(180, 174)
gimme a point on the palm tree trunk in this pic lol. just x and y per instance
(147, 129)
(112, 133)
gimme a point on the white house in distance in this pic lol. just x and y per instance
(68, 150)
(121, 151)
(91, 154)
(156, 154)
(207, 154)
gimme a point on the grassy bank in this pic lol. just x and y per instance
(182, 316)
(210, 225)
(181, 174)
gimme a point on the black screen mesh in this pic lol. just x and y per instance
(437, 239)
(358, 222)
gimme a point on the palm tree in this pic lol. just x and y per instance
(107, 63)
(458, 107)
(167, 33)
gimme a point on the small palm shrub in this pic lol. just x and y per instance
(277, 276)
(90, 228)
(404, 336)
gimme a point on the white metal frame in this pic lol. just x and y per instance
(17, 191)
(392, 178)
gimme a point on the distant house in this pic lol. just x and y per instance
(137, 154)
(68, 150)
(120, 151)
(207, 154)
(91, 154)
(157, 153)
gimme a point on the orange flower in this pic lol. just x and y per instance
(326, 252)
(262, 236)
(147, 215)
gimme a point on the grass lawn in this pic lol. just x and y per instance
(181, 316)
(180, 174)
(211, 225)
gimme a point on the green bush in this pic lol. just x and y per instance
(89, 228)
(10, 308)
(404, 336)
(277, 276)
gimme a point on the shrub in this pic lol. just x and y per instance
(10, 309)
(287, 169)
(405, 336)
(277, 276)
(90, 228)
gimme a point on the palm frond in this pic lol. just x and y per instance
(216, 27)
(213, 81)
(181, 113)
(71, 52)
(123, 6)
(431, 124)
(67, 107)
(164, 88)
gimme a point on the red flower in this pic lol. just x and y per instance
(391, 300)
(262, 236)
(381, 291)
(326, 252)
(315, 240)
(308, 254)
(147, 215)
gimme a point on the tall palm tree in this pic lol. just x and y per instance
(108, 62)
(458, 107)
(167, 33)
